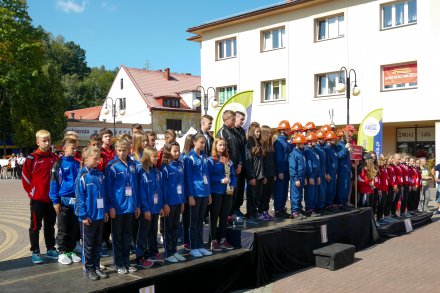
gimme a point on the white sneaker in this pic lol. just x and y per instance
(74, 257)
(171, 259)
(102, 267)
(195, 253)
(179, 257)
(205, 252)
(64, 259)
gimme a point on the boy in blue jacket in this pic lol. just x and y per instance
(91, 209)
(322, 172)
(331, 167)
(344, 173)
(62, 195)
(123, 195)
(297, 170)
(312, 173)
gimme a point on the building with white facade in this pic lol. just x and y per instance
(159, 100)
(290, 54)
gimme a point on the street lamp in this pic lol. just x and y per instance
(341, 87)
(197, 101)
(114, 112)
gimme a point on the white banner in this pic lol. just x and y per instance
(85, 132)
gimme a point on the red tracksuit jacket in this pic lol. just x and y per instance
(383, 179)
(391, 176)
(364, 182)
(36, 175)
(398, 175)
(405, 173)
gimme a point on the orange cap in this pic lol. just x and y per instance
(284, 125)
(297, 126)
(330, 135)
(339, 133)
(310, 126)
(298, 138)
(350, 127)
(320, 134)
(326, 128)
(311, 136)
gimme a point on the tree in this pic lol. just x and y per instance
(30, 97)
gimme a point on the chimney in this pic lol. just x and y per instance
(167, 73)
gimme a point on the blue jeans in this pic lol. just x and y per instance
(280, 190)
(296, 196)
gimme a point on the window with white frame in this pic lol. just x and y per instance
(399, 14)
(226, 49)
(326, 83)
(273, 39)
(225, 93)
(274, 90)
(400, 76)
(330, 27)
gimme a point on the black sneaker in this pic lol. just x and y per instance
(316, 213)
(101, 274)
(282, 214)
(92, 275)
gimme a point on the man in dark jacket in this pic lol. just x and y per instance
(205, 127)
(238, 199)
(235, 150)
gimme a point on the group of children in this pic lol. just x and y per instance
(126, 185)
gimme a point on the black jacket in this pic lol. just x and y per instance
(208, 146)
(253, 164)
(234, 146)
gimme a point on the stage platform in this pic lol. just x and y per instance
(399, 227)
(268, 252)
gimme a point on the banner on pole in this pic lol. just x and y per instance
(371, 132)
(239, 102)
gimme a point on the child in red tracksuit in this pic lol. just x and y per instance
(414, 186)
(36, 182)
(382, 190)
(392, 187)
(406, 185)
(365, 185)
(399, 183)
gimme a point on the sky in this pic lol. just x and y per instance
(137, 33)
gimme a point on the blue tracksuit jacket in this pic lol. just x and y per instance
(297, 165)
(282, 152)
(89, 188)
(312, 160)
(331, 160)
(197, 174)
(62, 182)
(173, 183)
(121, 178)
(217, 173)
(151, 190)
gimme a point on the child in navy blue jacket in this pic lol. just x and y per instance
(151, 190)
(91, 206)
(199, 194)
(173, 199)
(123, 194)
(222, 180)
(62, 194)
(297, 170)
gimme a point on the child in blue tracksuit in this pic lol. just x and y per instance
(297, 170)
(199, 194)
(344, 173)
(331, 167)
(173, 200)
(151, 202)
(312, 173)
(281, 187)
(62, 194)
(322, 173)
(123, 195)
(222, 180)
(91, 206)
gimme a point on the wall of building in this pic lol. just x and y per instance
(136, 109)
(188, 120)
(364, 48)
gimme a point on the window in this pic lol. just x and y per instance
(225, 93)
(274, 90)
(226, 49)
(326, 83)
(122, 104)
(330, 28)
(122, 83)
(399, 76)
(172, 103)
(273, 39)
(174, 124)
(399, 14)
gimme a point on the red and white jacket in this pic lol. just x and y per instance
(364, 183)
(36, 175)
(384, 182)
(391, 176)
(398, 175)
(405, 174)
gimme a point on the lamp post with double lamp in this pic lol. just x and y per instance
(206, 98)
(114, 111)
(341, 87)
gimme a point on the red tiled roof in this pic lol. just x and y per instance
(91, 113)
(152, 84)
